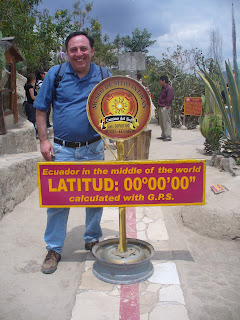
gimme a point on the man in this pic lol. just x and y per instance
(74, 137)
(164, 103)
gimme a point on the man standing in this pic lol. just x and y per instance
(164, 103)
(74, 137)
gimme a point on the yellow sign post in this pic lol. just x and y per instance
(119, 108)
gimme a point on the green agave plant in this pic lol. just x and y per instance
(232, 117)
(210, 111)
(211, 125)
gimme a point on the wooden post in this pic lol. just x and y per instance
(3, 129)
(137, 148)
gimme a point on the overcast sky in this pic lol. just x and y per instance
(171, 22)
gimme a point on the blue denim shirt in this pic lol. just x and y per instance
(70, 121)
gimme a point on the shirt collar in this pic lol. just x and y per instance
(92, 71)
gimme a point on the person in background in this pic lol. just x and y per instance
(74, 137)
(139, 79)
(39, 80)
(143, 83)
(164, 103)
(31, 94)
(226, 107)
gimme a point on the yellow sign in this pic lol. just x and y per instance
(119, 108)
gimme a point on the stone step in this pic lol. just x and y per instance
(20, 138)
(18, 179)
(19, 154)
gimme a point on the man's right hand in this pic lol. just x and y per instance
(47, 150)
(45, 145)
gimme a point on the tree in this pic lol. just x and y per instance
(139, 42)
(117, 43)
(38, 35)
(62, 27)
(10, 9)
(80, 13)
(105, 54)
(18, 19)
(180, 66)
(234, 36)
(41, 37)
(215, 49)
(44, 34)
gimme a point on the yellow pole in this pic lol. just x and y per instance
(122, 247)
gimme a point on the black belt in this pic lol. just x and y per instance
(71, 144)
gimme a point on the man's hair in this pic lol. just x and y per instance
(39, 73)
(79, 33)
(164, 78)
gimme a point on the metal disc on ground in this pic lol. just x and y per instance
(128, 267)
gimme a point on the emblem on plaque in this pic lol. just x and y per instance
(119, 108)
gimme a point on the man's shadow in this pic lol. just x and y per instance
(74, 245)
(74, 248)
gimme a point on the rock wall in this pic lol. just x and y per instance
(225, 164)
(18, 179)
(21, 80)
(19, 155)
(20, 138)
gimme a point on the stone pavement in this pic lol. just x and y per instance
(195, 276)
(159, 297)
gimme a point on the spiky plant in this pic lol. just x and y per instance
(211, 125)
(231, 118)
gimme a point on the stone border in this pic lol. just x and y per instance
(225, 164)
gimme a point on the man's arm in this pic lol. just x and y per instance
(169, 97)
(45, 145)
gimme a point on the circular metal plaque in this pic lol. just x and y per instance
(119, 108)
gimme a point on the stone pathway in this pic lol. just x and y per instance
(159, 297)
(195, 276)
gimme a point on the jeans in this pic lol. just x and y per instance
(57, 218)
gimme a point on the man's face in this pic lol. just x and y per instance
(80, 53)
(162, 83)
